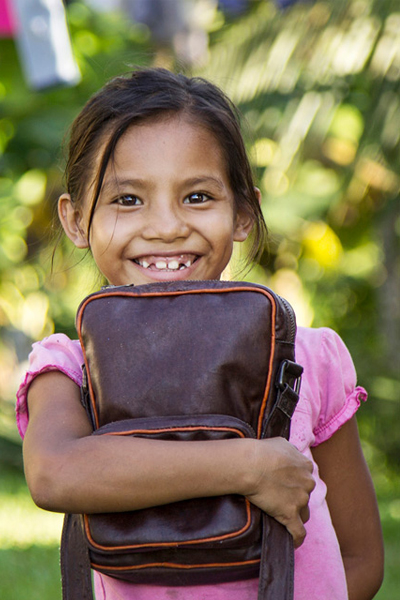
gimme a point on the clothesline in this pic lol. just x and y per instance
(40, 30)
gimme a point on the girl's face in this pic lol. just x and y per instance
(166, 210)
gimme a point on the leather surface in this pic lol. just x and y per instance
(208, 352)
(228, 519)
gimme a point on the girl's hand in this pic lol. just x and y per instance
(281, 484)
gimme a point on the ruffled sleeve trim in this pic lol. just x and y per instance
(54, 353)
(21, 409)
(352, 404)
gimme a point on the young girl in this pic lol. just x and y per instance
(159, 188)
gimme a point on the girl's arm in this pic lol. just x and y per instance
(354, 510)
(68, 470)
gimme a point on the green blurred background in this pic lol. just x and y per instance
(318, 87)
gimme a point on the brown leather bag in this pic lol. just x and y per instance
(186, 361)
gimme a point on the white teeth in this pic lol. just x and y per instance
(171, 265)
(161, 264)
(174, 264)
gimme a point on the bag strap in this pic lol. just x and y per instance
(276, 578)
(76, 576)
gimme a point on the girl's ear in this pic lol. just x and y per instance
(258, 194)
(72, 221)
(244, 222)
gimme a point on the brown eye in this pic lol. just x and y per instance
(197, 198)
(128, 200)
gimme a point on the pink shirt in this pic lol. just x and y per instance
(329, 397)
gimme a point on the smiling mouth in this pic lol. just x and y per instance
(166, 263)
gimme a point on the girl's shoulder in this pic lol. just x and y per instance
(322, 349)
(329, 391)
(56, 352)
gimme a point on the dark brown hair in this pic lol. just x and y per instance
(151, 94)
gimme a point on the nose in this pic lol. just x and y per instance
(166, 223)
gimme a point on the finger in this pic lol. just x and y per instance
(312, 484)
(305, 514)
(298, 532)
(310, 465)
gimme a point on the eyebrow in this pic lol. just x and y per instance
(141, 183)
(204, 180)
(115, 182)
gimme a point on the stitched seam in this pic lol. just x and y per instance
(166, 429)
(353, 396)
(175, 565)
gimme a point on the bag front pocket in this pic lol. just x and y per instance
(214, 522)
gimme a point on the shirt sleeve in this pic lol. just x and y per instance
(339, 395)
(54, 353)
